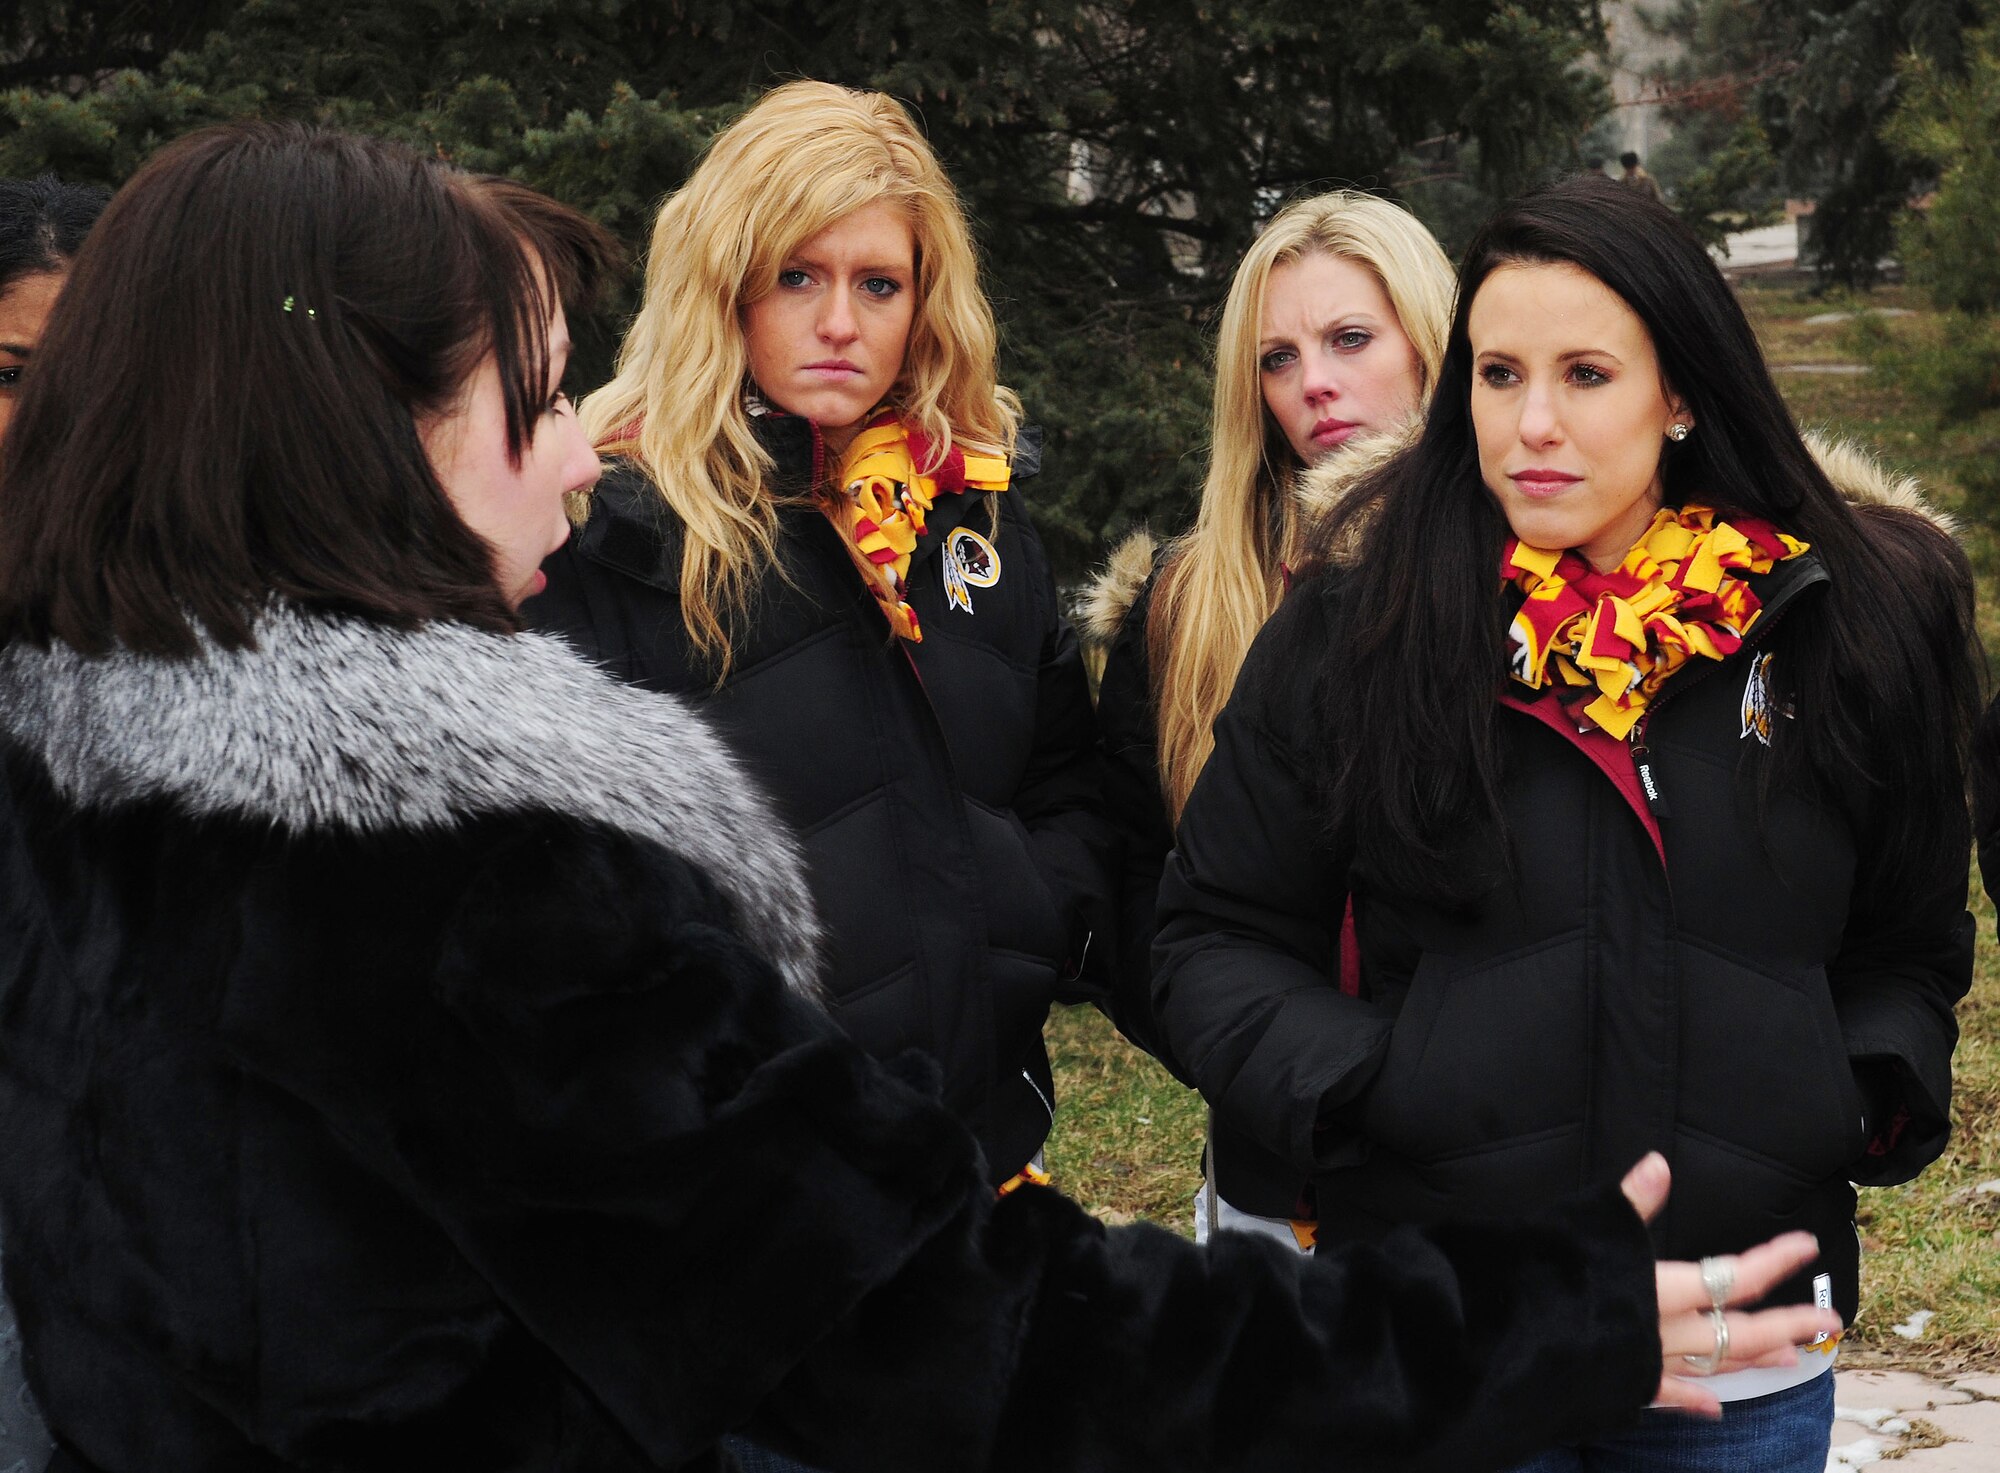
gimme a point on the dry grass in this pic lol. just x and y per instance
(1935, 1244)
(1127, 1142)
(1128, 1138)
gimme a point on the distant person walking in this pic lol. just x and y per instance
(1636, 177)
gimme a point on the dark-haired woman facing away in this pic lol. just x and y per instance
(42, 222)
(1639, 746)
(410, 1046)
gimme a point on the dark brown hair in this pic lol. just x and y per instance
(234, 381)
(42, 222)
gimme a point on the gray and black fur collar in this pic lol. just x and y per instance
(334, 722)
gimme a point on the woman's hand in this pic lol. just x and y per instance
(1687, 1327)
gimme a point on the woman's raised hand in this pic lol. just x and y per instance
(1696, 1337)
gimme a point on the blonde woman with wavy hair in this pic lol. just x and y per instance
(812, 525)
(807, 155)
(1329, 344)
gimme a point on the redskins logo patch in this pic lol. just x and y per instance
(970, 562)
(1759, 706)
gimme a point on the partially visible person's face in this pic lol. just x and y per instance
(1570, 410)
(516, 508)
(1332, 356)
(24, 312)
(827, 341)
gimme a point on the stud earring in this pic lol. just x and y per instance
(1679, 433)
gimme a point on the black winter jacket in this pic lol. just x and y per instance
(1717, 990)
(947, 792)
(409, 1062)
(1128, 727)
(1113, 616)
(1986, 799)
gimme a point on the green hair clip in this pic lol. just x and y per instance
(311, 312)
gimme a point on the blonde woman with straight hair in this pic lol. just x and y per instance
(812, 525)
(1329, 345)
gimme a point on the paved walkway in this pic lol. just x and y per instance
(1923, 1425)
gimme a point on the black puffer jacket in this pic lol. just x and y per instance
(1128, 726)
(947, 792)
(409, 1061)
(1736, 994)
(1114, 615)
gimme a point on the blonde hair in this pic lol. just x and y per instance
(1221, 579)
(805, 156)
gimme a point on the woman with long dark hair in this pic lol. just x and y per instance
(411, 1048)
(1638, 744)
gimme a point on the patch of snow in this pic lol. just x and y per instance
(1825, 319)
(1966, 1196)
(1875, 1419)
(1912, 1327)
(1768, 245)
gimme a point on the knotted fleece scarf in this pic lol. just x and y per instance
(880, 500)
(1607, 642)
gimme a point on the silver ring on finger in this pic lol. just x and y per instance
(1707, 1365)
(1718, 1276)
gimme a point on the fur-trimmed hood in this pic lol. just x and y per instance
(1101, 610)
(1865, 482)
(334, 723)
(1109, 597)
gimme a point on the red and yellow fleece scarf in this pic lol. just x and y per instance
(880, 500)
(1607, 642)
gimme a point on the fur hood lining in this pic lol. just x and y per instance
(334, 722)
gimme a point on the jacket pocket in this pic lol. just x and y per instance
(1021, 914)
(867, 924)
(1763, 1067)
(1485, 1050)
(1022, 989)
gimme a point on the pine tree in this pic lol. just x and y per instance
(1115, 156)
(1794, 94)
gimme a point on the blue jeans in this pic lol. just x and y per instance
(1785, 1432)
(24, 1442)
(757, 1459)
